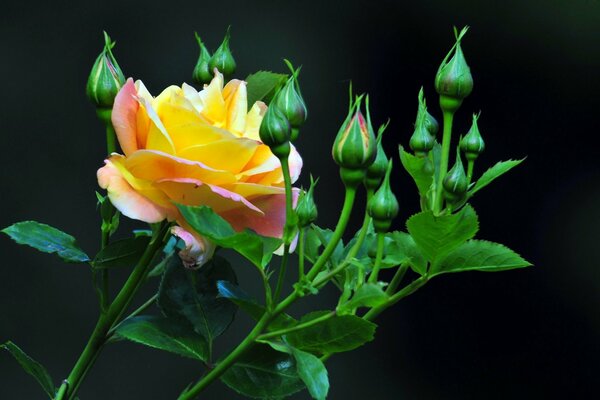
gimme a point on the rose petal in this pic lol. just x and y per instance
(155, 165)
(254, 119)
(158, 138)
(129, 201)
(236, 103)
(231, 154)
(198, 250)
(193, 192)
(213, 104)
(124, 117)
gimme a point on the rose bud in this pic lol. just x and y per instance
(472, 144)
(421, 141)
(355, 146)
(455, 182)
(376, 171)
(106, 78)
(202, 73)
(290, 101)
(383, 206)
(306, 210)
(453, 80)
(275, 131)
(431, 123)
(223, 59)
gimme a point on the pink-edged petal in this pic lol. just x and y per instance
(125, 198)
(124, 117)
(252, 190)
(155, 165)
(193, 192)
(295, 163)
(269, 224)
(198, 250)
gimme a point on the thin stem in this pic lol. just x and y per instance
(337, 234)
(135, 313)
(299, 327)
(62, 391)
(397, 279)
(104, 282)
(363, 230)
(448, 118)
(111, 139)
(301, 244)
(114, 312)
(289, 210)
(407, 290)
(378, 257)
(470, 166)
(267, 289)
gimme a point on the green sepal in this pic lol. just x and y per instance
(47, 239)
(32, 367)
(172, 335)
(256, 248)
(480, 255)
(192, 296)
(121, 253)
(262, 86)
(109, 214)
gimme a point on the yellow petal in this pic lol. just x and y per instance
(253, 120)
(158, 138)
(187, 135)
(213, 104)
(231, 155)
(236, 103)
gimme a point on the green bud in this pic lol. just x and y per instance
(223, 59)
(106, 78)
(431, 123)
(202, 73)
(383, 206)
(455, 182)
(472, 144)
(421, 141)
(376, 171)
(355, 146)
(306, 210)
(453, 80)
(275, 131)
(290, 101)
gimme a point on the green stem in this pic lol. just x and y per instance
(470, 166)
(407, 290)
(363, 230)
(106, 321)
(378, 257)
(104, 298)
(448, 118)
(397, 279)
(299, 327)
(135, 313)
(289, 225)
(301, 244)
(111, 139)
(337, 234)
(62, 391)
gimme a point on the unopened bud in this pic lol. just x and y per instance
(472, 144)
(202, 72)
(383, 206)
(455, 183)
(306, 210)
(290, 102)
(376, 171)
(223, 59)
(421, 141)
(453, 80)
(275, 131)
(106, 78)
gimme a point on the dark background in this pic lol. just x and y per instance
(526, 334)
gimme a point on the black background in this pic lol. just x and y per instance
(526, 334)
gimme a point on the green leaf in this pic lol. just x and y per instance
(312, 245)
(192, 296)
(167, 334)
(258, 249)
(334, 335)
(47, 239)
(420, 169)
(494, 172)
(32, 367)
(438, 236)
(480, 255)
(240, 298)
(263, 85)
(122, 253)
(264, 373)
(402, 250)
(312, 372)
(368, 295)
(325, 236)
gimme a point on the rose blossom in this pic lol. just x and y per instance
(195, 148)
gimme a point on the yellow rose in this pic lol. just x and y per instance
(195, 148)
